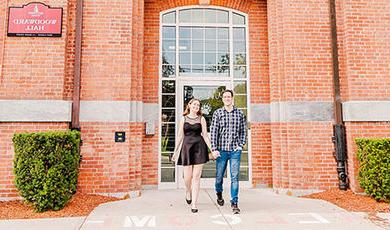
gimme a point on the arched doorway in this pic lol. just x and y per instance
(203, 50)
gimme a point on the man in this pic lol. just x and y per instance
(228, 136)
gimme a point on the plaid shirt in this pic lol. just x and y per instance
(228, 129)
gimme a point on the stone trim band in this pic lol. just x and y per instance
(135, 111)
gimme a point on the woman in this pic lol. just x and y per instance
(191, 149)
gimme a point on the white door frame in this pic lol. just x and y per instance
(204, 79)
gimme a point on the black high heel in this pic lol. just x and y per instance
(188, 201)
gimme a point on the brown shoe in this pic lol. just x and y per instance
(235, 209)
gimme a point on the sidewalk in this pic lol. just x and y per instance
(70, 223)
(260, 209)
(166, 209)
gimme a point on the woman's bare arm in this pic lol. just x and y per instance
(180, 137)
(204, 133)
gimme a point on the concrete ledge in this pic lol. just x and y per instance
(136, 111)
(130, 194)
(106, 111)
(260, 113)
(35, 111)
(118, 111)
(150, 187)
(295, 192)
(301, 111)
(366, 111)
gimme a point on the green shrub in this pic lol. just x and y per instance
(374, 170)
(46, 167)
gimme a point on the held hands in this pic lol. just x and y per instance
(215, 154)
(173, 157)
(238, 148)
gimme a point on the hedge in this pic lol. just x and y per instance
(374, 170)
(46, 167)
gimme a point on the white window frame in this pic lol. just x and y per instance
(203, 77)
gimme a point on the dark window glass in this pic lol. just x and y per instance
(168, 87)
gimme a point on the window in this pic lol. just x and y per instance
(200, 43)
(203, 42)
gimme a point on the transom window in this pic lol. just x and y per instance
(204, 42)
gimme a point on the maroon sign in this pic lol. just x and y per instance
(35, 20)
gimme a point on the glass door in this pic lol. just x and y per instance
(209, 94)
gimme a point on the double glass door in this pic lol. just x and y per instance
(209, 94)
(175, 97)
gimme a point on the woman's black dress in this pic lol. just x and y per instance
(194, 149)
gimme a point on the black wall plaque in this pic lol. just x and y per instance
(120, 136)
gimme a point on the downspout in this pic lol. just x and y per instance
(339, 136)
(75, 125)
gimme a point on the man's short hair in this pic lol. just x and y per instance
(227, 91)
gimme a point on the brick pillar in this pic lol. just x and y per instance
(137, 128)
(301, 95)
(110, 99)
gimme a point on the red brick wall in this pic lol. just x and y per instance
(261, 154)
(301, 71)
(33, 68)
(150, 159)
(364, 57)
(365, 48)
(70, 50)
(302, 156)
(106, 50)
(111, 70)
(3, 31)
(106, 166)
(7, 130)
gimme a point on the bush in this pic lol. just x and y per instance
(46, 167)
(374, 170)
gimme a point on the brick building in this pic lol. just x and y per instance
(142, 60)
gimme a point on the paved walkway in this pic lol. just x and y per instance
(166, 209)
(260, 209)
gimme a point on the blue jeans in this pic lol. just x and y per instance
(234, 158)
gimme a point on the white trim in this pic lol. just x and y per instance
(248, 105)
(35, 111)
(366, 111)
(202, 7)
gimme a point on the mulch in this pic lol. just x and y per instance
(351, 201)
(79, 205)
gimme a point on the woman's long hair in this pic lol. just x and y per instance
(187, 110)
